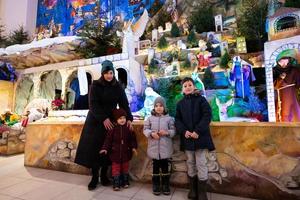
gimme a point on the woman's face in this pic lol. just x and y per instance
(109, 75)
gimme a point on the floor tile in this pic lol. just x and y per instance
(145, 193)
(112, 196)
(21, 188)
(128, 192)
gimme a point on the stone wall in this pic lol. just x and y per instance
(256, 160)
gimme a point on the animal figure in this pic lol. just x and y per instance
(224, 116)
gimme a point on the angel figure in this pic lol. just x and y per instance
(131, 34)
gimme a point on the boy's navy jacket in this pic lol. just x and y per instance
(193, 113)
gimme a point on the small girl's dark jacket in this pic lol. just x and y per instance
(119, 143)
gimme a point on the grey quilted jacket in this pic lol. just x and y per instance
(162, 148)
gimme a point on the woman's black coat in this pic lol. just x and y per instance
(104, 97)
(193, 113)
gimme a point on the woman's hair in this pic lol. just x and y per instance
(102, 81)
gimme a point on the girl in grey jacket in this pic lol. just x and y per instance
(159, 129)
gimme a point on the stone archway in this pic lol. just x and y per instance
(49, 81)
(24, 93)
(73, 98)
(122, 77)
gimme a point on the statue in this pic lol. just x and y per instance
(286, 83)
(132, 33)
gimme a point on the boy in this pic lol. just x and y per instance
(120, 142)
(193, 116)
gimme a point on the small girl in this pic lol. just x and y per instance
(159, 129)
(120, 143)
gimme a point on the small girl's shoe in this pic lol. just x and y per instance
(125, 180)
(116, 183)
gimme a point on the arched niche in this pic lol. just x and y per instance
(24, 93)
(49, 82)
(287, 22)
(122, 77)
(73, 99)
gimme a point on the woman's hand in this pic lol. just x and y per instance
(134, 152)
(103, 151)
(107, 124)
(129, 125)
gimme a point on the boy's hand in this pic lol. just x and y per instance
(134, 151)
(194, 135)
(155, 135)
(163, 132)
(187, 134)
(103, 151)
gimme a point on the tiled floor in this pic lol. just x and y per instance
(19, 182)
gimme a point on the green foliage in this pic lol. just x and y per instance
(192, 40)
(19, 36)
(202, 18)
(170, 89)
(163, 43)
(153, 67)
(208, 79)
(175, 32)
(292, 3)
(98, 40)
(186, 63)
(251, 20)
(225, 60)
(3, 39)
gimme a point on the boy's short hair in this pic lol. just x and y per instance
(186, 79)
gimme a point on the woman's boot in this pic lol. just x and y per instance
(95, 178)
(202, 187)
(116, 183)
(193, 187)
(166, 184)
(103, 177)
(156, 184)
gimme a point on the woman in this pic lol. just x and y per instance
(105, 94)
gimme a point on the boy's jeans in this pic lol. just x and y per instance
(197, 163)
